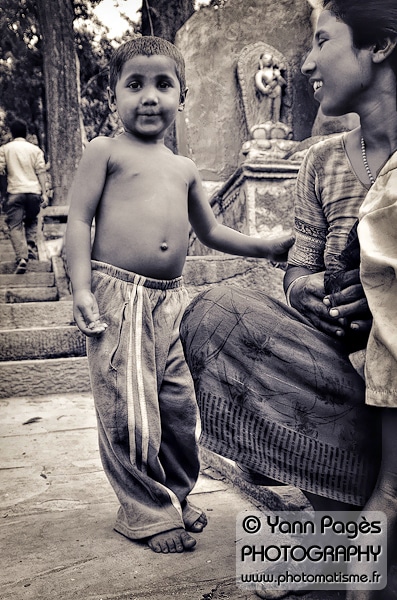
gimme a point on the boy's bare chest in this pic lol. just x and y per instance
(143, 189)
(148, 171)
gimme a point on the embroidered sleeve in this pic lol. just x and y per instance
(310, 221)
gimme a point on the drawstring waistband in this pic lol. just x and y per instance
(130, 277)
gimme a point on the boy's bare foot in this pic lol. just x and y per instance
(193, 517)
(198, 525)
(174, 540)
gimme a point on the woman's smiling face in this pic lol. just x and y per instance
(338, 72)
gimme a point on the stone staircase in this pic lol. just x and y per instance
(41, 349)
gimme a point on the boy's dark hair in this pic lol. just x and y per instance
(147, 45)
(18, 129)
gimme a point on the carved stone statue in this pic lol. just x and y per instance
(266, 93)
(265, 85)
(269, 82)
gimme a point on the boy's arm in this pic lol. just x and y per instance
(84, 197)
(222, 238)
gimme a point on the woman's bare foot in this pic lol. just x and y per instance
(174, 540)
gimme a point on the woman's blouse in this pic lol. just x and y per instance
(329, 195)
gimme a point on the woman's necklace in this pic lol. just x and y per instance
(365, 161)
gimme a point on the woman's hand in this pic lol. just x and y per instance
(339, 314)
(349, 306)
(307, 297)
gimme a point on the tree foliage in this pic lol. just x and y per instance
(21, 68)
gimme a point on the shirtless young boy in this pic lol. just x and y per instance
(129, 297)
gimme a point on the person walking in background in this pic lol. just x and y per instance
(24, 165)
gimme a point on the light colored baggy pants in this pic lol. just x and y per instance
(144, 400)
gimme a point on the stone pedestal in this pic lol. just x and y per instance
(256, 200)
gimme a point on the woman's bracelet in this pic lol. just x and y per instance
(291, 285)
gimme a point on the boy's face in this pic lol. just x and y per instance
(147, 95)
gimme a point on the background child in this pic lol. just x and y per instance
(130, 299)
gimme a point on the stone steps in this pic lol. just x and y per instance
(41, 349)
(44, 280)
(36, 294)
(7, 267)
(44, 376)
(40, 314)
(41, 342)
(28, 279)
(8, 256)
(37, 284)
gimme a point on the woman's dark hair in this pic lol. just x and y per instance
(371, 21)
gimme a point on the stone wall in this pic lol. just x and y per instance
(212, 128)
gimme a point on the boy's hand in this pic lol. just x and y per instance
(86, 313)
(275, 246)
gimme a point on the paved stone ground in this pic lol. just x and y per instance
(57, 511)
(58, 508)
